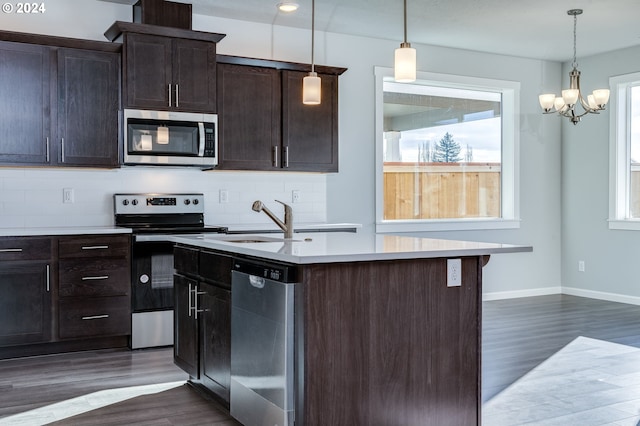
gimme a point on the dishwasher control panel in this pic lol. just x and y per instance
(269, 271)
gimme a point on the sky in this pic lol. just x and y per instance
(483, 136)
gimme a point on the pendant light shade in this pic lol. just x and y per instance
(405, 64)
(405, 57)
(311, 89)
(311, 84)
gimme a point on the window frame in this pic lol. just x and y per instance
(510, 174)
(620, 152)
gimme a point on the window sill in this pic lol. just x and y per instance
(625, 224)
(447, 225)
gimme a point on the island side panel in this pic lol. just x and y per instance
(388, 343)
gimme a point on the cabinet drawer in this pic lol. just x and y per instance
(25, 248)
(185, 260)
(94, 277)
(94, 246)
(95, 317)
(216, 268)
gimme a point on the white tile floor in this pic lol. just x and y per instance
(588, 382)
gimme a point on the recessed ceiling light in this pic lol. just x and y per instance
(288, 6)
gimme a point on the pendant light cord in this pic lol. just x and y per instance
(405, 21)
(313, 32)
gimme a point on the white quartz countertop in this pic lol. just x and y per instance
(62, 230)
(335, 247)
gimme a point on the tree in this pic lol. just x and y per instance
(447, 150)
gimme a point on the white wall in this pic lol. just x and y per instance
(349, 194)
(611, 256)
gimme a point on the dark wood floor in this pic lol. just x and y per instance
(518, 334)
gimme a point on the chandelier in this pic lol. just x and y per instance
(566, 104)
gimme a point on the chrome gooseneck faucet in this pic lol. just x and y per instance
(286, 226)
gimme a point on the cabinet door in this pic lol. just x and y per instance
(24, 103)
(147, 65)
(249, 117)
(215, 338)
(185, 330)
(194, 75)
(88, 102)
(25, 303)
(309, 132)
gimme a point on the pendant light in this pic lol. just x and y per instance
(566, 104)
(405, 57)
(311, 89)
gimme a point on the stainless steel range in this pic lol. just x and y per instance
(153, 217)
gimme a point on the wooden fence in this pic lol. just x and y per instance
(441, 190)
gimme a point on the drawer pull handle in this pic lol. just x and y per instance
(95, 247)
(101, 277)
(95, 317)
(14, 250)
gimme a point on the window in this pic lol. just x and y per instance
(446, 153)
(624, 210)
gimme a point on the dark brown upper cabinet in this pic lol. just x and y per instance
(167, 68)
(59, 101)
(310, 132)
(263, 124)
(166, 73)
(88, 101)
(25, 103)
(249, 117)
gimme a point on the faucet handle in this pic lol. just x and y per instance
(286, 206)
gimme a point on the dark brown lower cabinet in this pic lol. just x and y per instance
(185, 338)
(215, 338)
(25, 303)
(64, 293)
(202, 314)
(388, 343)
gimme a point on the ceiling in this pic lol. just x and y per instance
(538, 29)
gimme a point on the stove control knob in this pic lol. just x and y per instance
(125, 202)
(187, 201)
(134, 202)
(196, 201)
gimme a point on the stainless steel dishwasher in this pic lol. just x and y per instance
(262, 343)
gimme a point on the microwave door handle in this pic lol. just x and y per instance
(201, 144)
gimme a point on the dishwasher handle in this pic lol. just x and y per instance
(257, 282)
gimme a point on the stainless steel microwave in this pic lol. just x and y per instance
(170, 138)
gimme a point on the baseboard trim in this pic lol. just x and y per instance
(501, 295)
(611, 297)
(571, 291)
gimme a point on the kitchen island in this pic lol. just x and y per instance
(383, 336)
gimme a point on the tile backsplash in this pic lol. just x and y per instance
(33, 197)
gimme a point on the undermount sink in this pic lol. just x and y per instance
(250, 239)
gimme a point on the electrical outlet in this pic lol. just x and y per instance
(224, 196)
(580, 265)
(454, 272)
(68, 196)
(295, 196)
